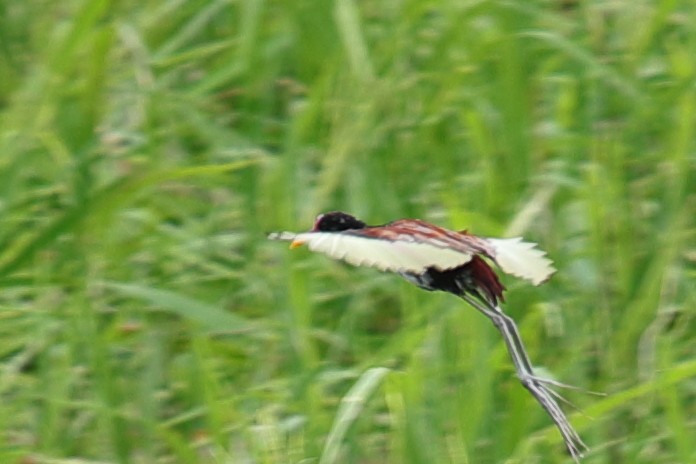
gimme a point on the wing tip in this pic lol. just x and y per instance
(523, 259)
(287, 236)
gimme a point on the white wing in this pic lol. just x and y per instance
(522, 259)
(386, 255)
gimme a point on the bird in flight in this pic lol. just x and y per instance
(434, 258)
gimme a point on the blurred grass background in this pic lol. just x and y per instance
(146, 147)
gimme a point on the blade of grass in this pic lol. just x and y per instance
(350, 408)
(213, 318)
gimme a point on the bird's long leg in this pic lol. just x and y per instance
(523, 366)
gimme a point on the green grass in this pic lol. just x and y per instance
(147, 147)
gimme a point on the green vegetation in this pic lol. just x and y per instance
(147, 146)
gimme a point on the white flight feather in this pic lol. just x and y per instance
(522, 259)
(386, 255)
(282, 236)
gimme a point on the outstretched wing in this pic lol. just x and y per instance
(513, 255)
(361, 249)
(411, 245)
(521, 259)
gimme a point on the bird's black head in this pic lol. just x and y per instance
(337, 221)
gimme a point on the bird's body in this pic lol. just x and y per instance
(474, 276)
(414, 246)
(434, 258)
